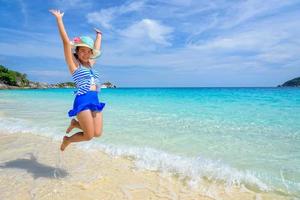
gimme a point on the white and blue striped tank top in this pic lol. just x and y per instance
(83, 78)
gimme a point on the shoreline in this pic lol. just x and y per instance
(134, 87)
(43, 172)
(38, 85)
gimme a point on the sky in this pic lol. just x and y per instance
(159, 43)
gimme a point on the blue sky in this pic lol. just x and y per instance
(148, 43)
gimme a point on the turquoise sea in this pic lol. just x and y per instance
(237, 136)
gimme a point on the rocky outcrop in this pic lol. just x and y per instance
(46, 85)
(5, 86)
(37, 85)
(40, 85)
(107, 85)
(291, 83)
(10, 79)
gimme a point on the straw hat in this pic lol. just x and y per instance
(85, 41)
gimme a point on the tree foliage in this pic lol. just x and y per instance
(13, 78)
(292, 83)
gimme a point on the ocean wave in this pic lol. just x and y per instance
(11, 125)
(193, 170)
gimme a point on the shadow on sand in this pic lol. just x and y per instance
(35, 168)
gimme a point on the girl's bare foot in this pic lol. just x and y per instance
(72, 125)
(65, 143)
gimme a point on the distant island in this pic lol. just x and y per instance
(291, 83)
(10, 79)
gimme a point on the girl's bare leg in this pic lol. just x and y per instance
(73, 124)
(86, 122)
(98, 123)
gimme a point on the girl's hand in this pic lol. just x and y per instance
(98, 31)
(57, 13)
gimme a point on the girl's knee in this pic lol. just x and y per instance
(98, 134)
(89, 137)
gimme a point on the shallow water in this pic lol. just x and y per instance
(240, 136)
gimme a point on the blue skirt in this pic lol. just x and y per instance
(87, 101)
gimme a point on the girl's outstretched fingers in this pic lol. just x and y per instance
(98, 31)
(56, 13)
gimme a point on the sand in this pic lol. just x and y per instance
(32, 167)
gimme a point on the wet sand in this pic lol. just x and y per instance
(33, 167)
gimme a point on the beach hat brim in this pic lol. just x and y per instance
(96, 52)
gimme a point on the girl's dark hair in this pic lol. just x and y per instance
(75, 55)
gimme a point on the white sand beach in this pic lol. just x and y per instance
(32, 167)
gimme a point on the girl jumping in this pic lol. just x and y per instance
(80, 55)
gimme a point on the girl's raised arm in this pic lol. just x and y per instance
(65, 39)
(97, 43)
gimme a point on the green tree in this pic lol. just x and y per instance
(13, 78)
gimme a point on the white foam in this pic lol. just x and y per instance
(13, 125)
(196, 169)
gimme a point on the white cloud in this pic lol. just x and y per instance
(201, 17)
(253, 49)
(238, 13)
(177, 2)
(148, 28)
(31, 49)
(19, 34)
(49, 73)
(24, 11)
(281, 53)
(31, 44)
(131, 7)
(240, 37)
(267, 41)
(73, 4)
(104, 17)
(256, 40)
